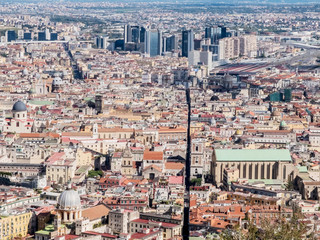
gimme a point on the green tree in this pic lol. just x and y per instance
(289, 185)
(93, 174)
(280, 229)
(196, 182)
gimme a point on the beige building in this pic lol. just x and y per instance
(248, 45)
(169, 230)
(169, 134)
(126, 165)
(119, 220)
(60, 170)
(83, 158)
(116, 133)
(233, 47)
(19, 123)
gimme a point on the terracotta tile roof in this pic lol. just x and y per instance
(174, 165)
(148, 155)
(172, 130)
(143, 235)
(39, 135)
(115, 130)
(95, 212)
(56, 157)
(76, 134)
(101, 234)
(176, 180)
(153, 167)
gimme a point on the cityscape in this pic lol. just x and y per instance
(159, 120)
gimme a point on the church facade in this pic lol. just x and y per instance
(252, 163)
(19, 122)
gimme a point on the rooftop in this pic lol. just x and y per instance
(252, 155)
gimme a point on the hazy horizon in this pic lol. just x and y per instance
(181, 1)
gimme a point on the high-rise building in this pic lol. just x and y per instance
(187, 42)
(134, 34)
(223, 32)
(41, 36)
(47, 34)
(142, 34)
(153, 42)
(170, 43)
(229, 48)
(127, 34)
(200, 57)
(53, 36)
(134, 38)
(27, 36)
(10, 35)
(101, 42)
(215, 33)
(197, 44)
(248, 45)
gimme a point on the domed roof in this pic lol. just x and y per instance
(239, 132)
(19, 107)
(57, 81)
(283, 123)
(69, 199)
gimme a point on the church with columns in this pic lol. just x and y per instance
(69, 206)
(252, 164)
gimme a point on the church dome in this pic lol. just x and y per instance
(69, 199)
(239, 132)
(57, 81)
(25, 71)
(19, 107)
(283, 124)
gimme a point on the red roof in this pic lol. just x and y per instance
(148, 155)
(176, 180)
(101, 234)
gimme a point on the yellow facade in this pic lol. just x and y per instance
(83, 157)
(14, 226)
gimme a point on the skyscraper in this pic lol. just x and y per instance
(47, 31)
(53, 36)
(135, 34)
(101, 42)
(170, 43)
(187, 42)
(134, 37)
(41, 36)
(215, 33)
(10, 36)
(27, 36)
(153, 42)
(127, 33)
(142, 34)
